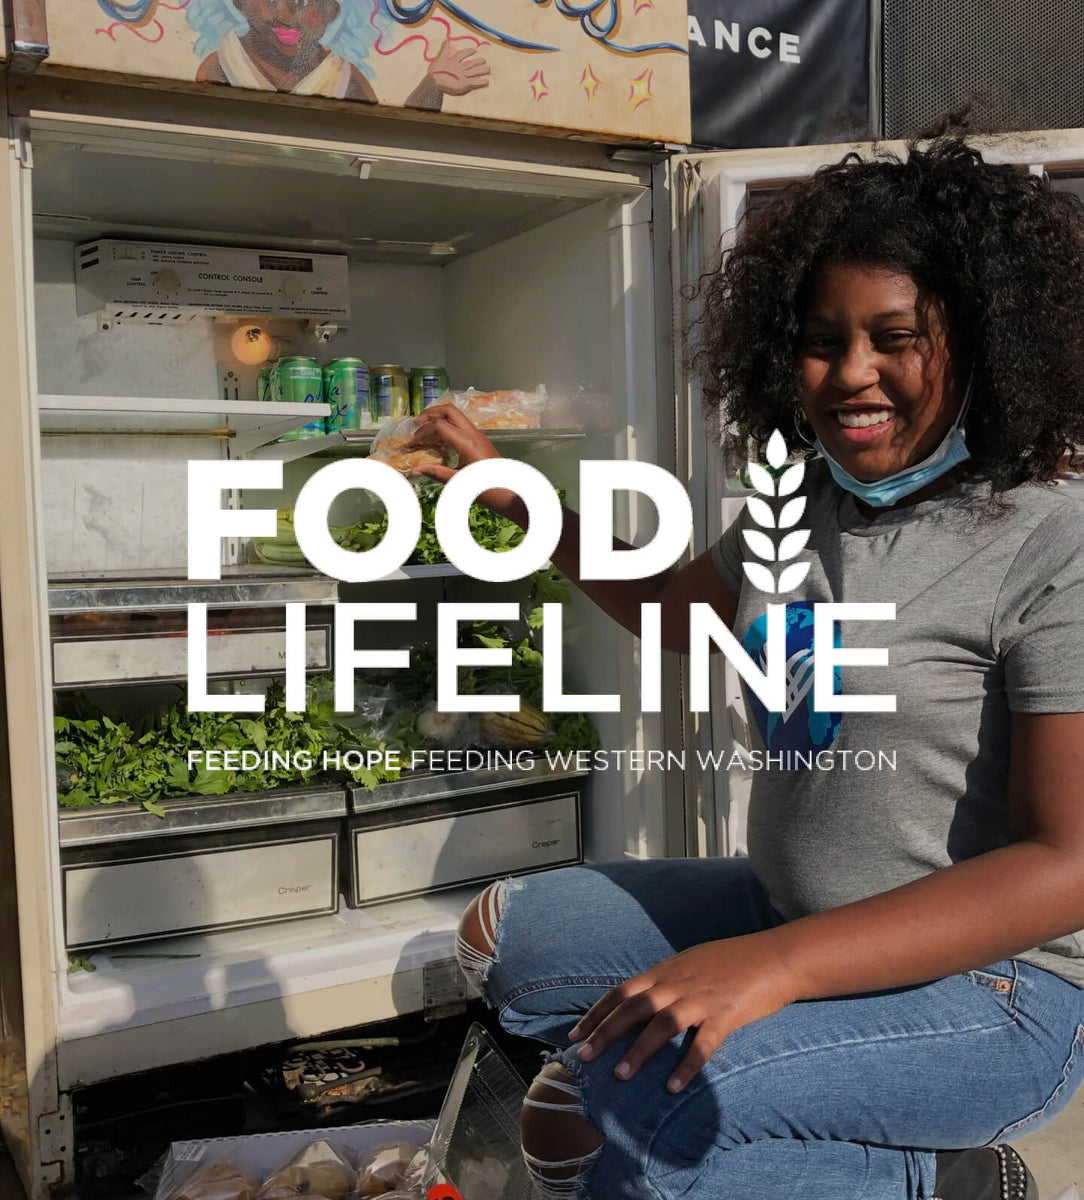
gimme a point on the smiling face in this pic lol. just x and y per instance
(876, 371)
(288, 29)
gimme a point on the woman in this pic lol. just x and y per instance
(892, 977)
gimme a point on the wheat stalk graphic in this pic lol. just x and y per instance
(763, 545)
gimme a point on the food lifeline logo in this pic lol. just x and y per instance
(776, 682)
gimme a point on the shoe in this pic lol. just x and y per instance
(995, 1173)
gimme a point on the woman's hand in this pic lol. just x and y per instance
(714, 988)
(444, 424)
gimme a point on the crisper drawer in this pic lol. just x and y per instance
(440, 845)
(164, 887)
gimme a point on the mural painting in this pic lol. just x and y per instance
(606, 66)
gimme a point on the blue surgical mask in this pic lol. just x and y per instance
(881, 493)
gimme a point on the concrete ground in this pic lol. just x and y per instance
(1054, 1154)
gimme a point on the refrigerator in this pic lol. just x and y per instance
(512, 259)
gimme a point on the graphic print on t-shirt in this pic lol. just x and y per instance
(799, 727)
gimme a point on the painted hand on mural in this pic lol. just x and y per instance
(451, 72)
(457, 72)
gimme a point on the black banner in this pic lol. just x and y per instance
(779, 72)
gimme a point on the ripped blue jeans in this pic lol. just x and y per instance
(834, 1099)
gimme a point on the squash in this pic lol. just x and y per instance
(529, 727)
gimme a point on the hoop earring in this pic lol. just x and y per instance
(803, 435)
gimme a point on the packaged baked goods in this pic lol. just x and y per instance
(383, 1172)
(217, 1181)
(395, 445)
(501, 410)
(318, 1170)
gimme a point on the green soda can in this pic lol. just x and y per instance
(299, 380)
(427, 385)
(346, 389)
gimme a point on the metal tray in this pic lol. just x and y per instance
(115, 823)
(416, 786)
(244, 586)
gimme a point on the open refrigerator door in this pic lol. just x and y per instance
(712, 195)
(315, 904)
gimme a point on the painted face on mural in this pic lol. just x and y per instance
(288, 31)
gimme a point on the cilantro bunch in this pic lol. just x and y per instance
(101, 760)
(523, 676)
(490, 531)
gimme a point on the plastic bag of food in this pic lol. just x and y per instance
(395, 445)
(399, 1194)
(384, 1170)
(501, 410)
(371, 706)
(217, 1181)
(318, 1170)
(450, 730)
(483, 1178)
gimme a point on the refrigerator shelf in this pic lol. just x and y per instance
(249, 585)
(245, 586)
(114, 823)
(415, 787)
(358, 442)
(244, 424)
(366, 436)
(199, 814)
(234, 989)
(409, 571)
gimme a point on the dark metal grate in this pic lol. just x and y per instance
(1022, 59)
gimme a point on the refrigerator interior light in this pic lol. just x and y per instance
(252, 345)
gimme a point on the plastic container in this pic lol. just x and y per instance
(260, 1154)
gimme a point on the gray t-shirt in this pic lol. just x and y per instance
(989, 621)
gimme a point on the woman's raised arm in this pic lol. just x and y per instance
(675, 589)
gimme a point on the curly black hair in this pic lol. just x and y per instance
(997, 246)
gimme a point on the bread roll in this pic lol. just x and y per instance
(382, 1172)
(317, 1171)
(217, 1181)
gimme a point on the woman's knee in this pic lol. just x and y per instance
(559, 1143)
(479, 927)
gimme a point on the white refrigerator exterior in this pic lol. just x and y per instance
(559, 285)
(577, 274)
